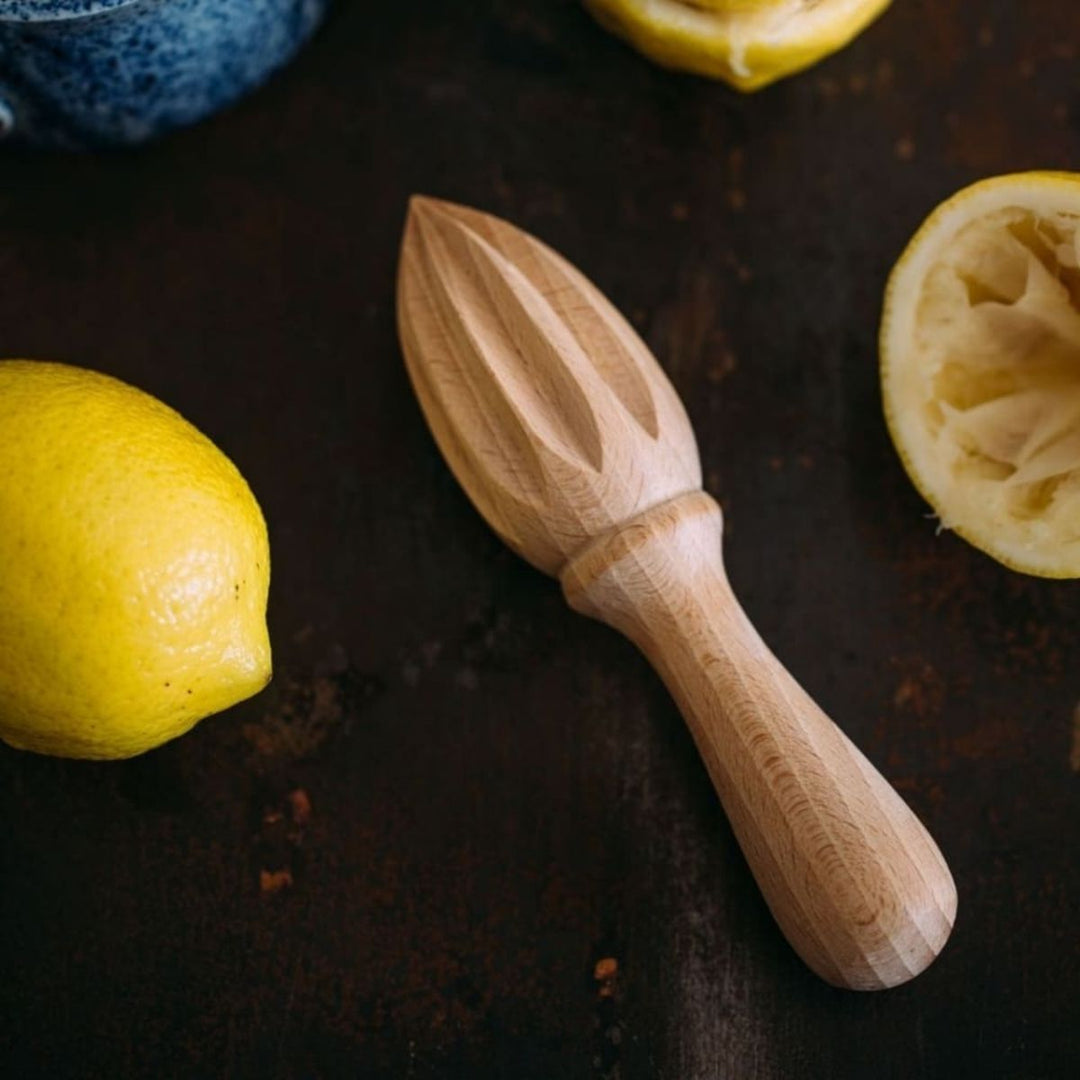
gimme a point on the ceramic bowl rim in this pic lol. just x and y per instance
(30, 11)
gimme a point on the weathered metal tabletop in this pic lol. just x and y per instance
(465, 833)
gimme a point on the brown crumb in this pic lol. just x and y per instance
(604, 973)
(272, 881)
(905, 148)
(724, 366)
(908, 690)
(607, 968)
(300, 805)
(680, 212)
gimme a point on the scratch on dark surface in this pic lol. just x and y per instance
(1074, 750)
(711, 1031)
(684, 327)
(290, 1001)
(607, 1061)
(416, 662)
(469, 857)
(920, 1046)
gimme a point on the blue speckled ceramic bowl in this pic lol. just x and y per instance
(80, 73)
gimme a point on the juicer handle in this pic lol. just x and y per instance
(854, 880)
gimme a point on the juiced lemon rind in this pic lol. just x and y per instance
(980, 368)
(749, 46)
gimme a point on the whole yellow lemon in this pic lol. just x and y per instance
(134, 568)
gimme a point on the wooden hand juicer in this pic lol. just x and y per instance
(569, 439)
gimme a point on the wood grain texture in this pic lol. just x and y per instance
(850, 874)
(551, 411)
(565, 433)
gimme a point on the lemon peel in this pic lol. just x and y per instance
(747, 43)
(134, 568)
(980, 368)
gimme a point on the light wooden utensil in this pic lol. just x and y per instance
(569, 439)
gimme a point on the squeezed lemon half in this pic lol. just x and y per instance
(747, 43)
(980, 368)
(134, 568)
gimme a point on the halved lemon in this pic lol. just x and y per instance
(747, 43)
(980, 368)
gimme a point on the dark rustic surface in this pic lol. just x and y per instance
(495, 795)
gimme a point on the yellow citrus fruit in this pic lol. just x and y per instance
(747, 43)
(980, 368)
(134, 568)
